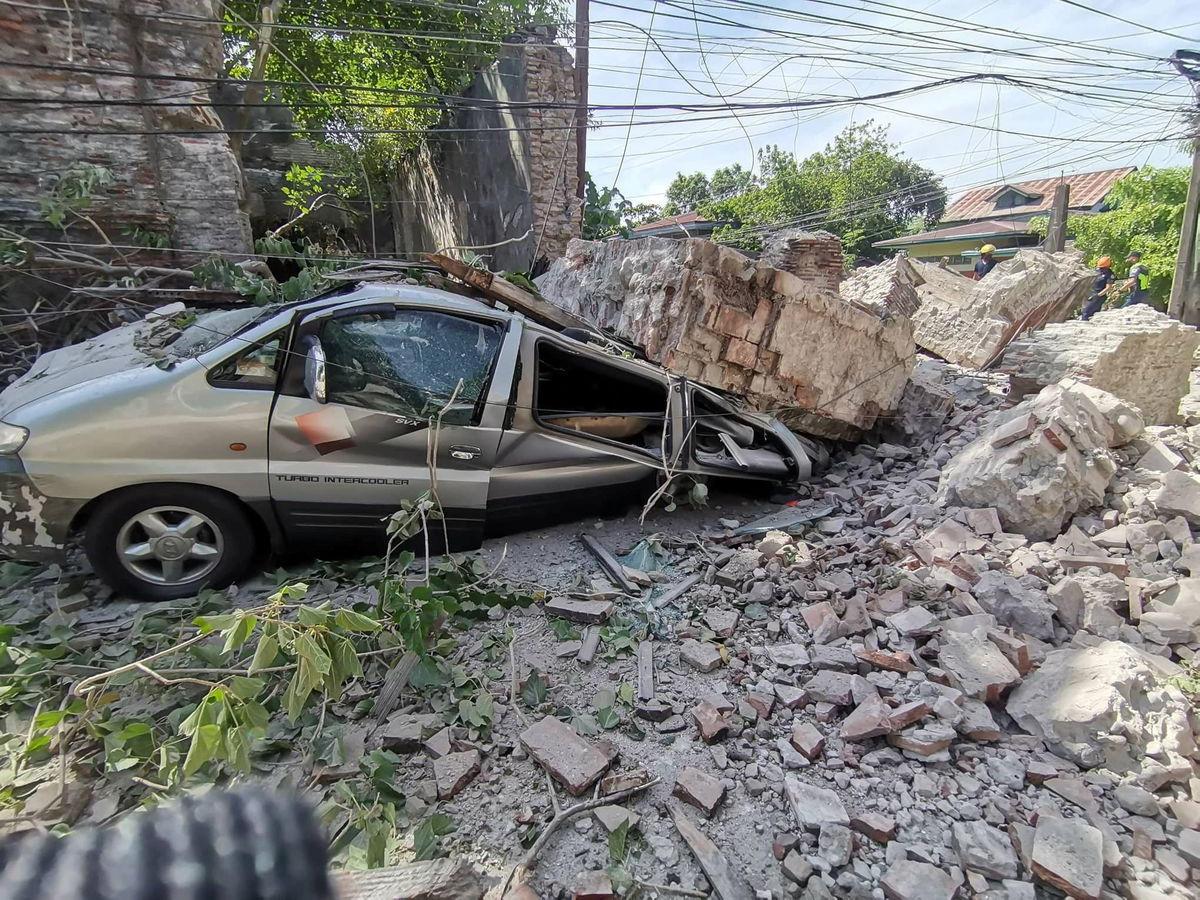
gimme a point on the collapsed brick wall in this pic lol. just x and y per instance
(971, 322)
(1135, 353)
(186, 186)
(824, 365)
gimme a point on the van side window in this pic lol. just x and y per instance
(257, 366)
(410, 363)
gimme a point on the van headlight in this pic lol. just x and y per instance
(12, 438)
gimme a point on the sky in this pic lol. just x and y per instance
(1094, 93)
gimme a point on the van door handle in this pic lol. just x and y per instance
(462, 451)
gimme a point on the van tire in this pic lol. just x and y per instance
(225, 531)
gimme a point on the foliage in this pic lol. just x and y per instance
(282, 676)
(73, 191)
(1145, 214)
(860, 187)
(380, 81)
(219, 273)
(606, 213)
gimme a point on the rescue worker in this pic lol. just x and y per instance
(1101, 287)
(985, 263)
(1139, 280)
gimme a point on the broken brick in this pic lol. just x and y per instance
(573, 762)
(699, 789)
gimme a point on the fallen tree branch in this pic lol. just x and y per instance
(528, 861)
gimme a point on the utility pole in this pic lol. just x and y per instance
(1056, 237)
(582, 33)
(1185, 304)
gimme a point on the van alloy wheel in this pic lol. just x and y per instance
(170, 545)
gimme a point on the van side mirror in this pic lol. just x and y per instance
(314, 369)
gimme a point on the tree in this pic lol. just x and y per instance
(381, 48)
(1145, 215)
(859, 187)
(687, 193)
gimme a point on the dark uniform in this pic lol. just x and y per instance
(1104, 278)
(1141, 285)
(983, 265)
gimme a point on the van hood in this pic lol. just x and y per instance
(162, 338)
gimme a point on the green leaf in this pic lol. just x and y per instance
(245, 688)
(608, 718)
(295, 696)
(209, 624)
(237, 749)
(425, 838)
(206, 745)
(50, 718)
(625, 694)
(312, 617)
(310, 652)
(349, 620)
(264, 654)
(239, 633)
(604, 699)
(585, 724)
(533, 692)
(616, 842)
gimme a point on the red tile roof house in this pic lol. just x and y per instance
(689, 224)
(999, 215)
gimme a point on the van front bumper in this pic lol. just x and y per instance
(33, 527)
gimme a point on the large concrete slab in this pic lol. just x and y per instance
(1137, 354)
(971, 322)
(782, 340)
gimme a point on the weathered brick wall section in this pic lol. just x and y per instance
(553, 176)
(185, 186)
(712, 314)
(496, 174)
(1136, 353)
(816, 257)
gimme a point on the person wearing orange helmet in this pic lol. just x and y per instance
(1101, 287)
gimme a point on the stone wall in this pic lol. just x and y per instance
(186, 186)
(1135, 353)
(493, 174)
(828, 366)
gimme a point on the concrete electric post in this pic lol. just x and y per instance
(1185, 288)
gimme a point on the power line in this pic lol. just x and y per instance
(1115, 18)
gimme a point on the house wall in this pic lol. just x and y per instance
(934, 251)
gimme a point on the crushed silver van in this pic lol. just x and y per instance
(179, 450)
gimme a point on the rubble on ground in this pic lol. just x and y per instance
(1136, 353)
(779, 339)
(966, 668)
(971, 322)
(1047, 460)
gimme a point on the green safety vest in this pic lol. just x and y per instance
(1143, 280)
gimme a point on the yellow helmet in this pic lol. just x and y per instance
(987, 248)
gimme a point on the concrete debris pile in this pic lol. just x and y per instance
(1047, 459)
(971, 322)
(779, 339)
(1137, 353)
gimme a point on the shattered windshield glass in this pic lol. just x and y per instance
(211, 328)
